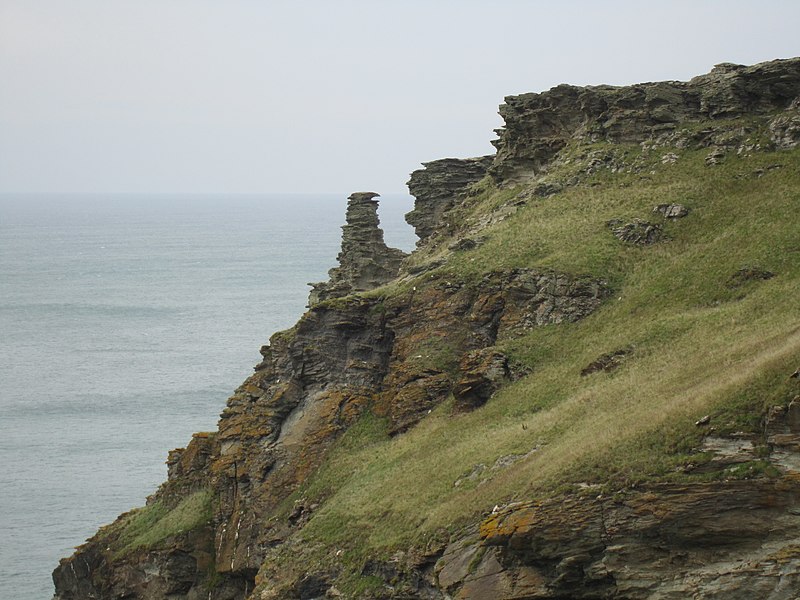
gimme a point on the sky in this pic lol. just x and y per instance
(258, 96)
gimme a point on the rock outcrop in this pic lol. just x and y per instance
(638, 232)
(365, 261)
(439, 187)
(538, 126)
(437, 330)
(723, 539)
(734, 540)
(785, 128)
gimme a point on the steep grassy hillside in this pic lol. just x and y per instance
(706, 335)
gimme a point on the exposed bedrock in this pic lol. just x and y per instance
(365, 261)
(538, 126)
(437, 327)
(438, 187)
(734, 540)
(725, 539)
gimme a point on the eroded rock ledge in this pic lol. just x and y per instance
(538, 126)
(365, 261)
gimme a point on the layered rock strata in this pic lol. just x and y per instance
(438, 187)
(538, 126)
(724, 539)
(365, 261)
(732, 540)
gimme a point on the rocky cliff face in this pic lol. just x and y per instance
(539, 126)
(234, 503)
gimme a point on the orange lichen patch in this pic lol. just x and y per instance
(789, 553)
(499, 527)
(410, 395)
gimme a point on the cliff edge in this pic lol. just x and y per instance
(581, 384)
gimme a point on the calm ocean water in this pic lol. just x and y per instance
(125, 323)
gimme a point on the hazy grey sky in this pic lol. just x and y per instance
(320, 96)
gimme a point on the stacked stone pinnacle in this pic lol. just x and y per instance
(365, 261)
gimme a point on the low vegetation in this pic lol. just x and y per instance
(148, 526)
(702, 343)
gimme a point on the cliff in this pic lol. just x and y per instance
(581, 384)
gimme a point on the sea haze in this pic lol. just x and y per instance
(125, 323)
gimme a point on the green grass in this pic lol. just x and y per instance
(148, 526)
(700, 345)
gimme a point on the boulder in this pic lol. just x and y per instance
(671, 211)
(637, 232)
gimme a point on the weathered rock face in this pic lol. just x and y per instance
(725, 539)
(436, 329)
(785, 128)
(483, 372)
(734, 540)
(365, 261)
(538, 126)
(439, 187)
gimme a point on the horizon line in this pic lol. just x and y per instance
(172, 193)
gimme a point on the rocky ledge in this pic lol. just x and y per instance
(538, 126)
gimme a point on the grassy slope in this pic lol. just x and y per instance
(701, 347)
(151, 525)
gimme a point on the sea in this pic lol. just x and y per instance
(126, 321)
